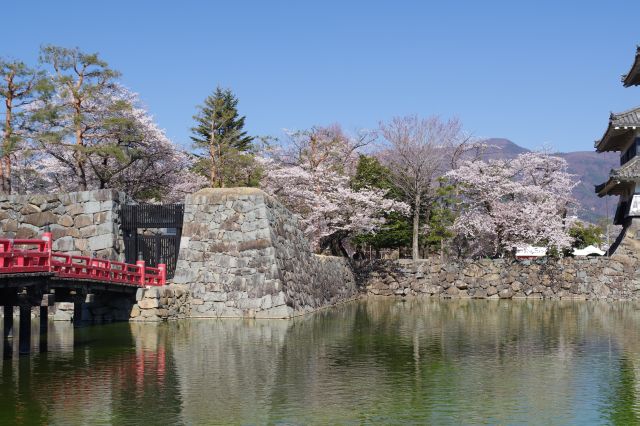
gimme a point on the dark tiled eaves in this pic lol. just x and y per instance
(632, 78)
(616, 135)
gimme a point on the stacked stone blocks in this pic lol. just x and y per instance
(155, 304)
(568, 278)
(82, 223)
(244, 255)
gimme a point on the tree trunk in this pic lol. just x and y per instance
(415, 254)
(334, 244)
(8, 130)
(7, 171)
(213, 155)
(221, 166)
(80, 144)
(337, 249)
(212, 171)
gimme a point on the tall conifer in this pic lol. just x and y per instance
(219, 134)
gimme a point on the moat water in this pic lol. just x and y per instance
(374, 361)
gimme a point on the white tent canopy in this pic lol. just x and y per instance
(589, 250)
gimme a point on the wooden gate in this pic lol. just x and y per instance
(154, 230)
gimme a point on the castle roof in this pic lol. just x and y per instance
(621, 126)
(620, 179)
(632, 78)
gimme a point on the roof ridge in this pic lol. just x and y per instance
(625, 112)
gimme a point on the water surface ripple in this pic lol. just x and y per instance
(390, 361)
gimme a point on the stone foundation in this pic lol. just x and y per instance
(612, 278)
(243, 254)
(161, 303)
(104, 308)
(568, 278)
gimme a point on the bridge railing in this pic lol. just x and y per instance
(21, 256)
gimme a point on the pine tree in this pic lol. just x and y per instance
(18, 82)
(219, 135)
(77, 115)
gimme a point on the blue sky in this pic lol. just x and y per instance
(544, 72)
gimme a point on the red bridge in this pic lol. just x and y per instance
(36, 256)
(31, 274)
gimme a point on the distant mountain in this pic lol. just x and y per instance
(502, 148)
(590, 167)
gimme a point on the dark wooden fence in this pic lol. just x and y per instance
(154, 230)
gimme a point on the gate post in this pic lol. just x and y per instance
(140, 264)
(163, 272)
(48, 237)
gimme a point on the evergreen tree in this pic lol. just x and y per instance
(220, 138)
(586, 234)
(82, 114)
(442, 217)
(396, 231)
(18, 83)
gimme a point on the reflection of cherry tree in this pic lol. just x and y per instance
(514, 203)
(312, 178)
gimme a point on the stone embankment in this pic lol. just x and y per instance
(612, 278)
(81, 222)
(243, 254)
(103, 309)
(567, 278)
(161, 303)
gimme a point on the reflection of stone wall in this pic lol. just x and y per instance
(567, 278)
(81, 222)
(392, 362)
(244, 254)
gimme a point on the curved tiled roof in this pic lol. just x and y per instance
(620, 178)
(632, 78)
(629, 170)
(619, 125)
(630, 117)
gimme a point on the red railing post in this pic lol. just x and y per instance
(163, 273)
(141, 267)
(47, 236)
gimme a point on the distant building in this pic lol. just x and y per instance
(623, 135)
(530, 253)
(589, 251)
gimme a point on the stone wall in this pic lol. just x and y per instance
(243, 254)
(567, 278)
(614, 278)
(81, 222)
(103, 308)
(161, 303)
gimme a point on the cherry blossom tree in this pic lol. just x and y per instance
(514, 203)
(312, 177)
(418, 152)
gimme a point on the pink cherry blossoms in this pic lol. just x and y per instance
(313, 180)
(514, 203)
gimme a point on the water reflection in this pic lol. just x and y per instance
(391, 361)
